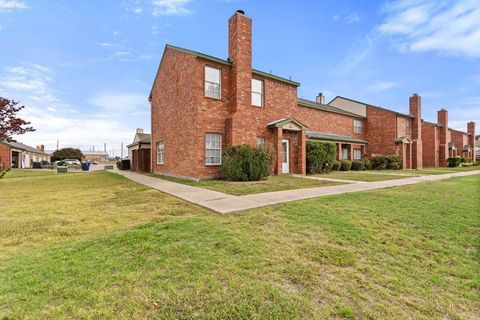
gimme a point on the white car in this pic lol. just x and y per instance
(72, 162)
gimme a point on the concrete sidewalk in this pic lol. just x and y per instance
(225, 203)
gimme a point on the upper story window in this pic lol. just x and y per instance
(257, 93)
(213, 149)
(213, 85)
(357, 126)
(160, 152)
(409, 127)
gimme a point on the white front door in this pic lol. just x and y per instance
(285, 156)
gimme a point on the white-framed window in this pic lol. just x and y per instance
(344, 154)
(213, 85)
(260, 141)
(409, 126)
(357, 126)
(257, 93)
(160, 152)
(357, 154)
(213, 149)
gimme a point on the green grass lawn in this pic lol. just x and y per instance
(433, 171)
(97, 246)
(239, 188)
(22, 173)
(360, 176)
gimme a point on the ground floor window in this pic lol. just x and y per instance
(260, 141)
(160, 152)
(357, 154)
(344, 154)
(213, 149)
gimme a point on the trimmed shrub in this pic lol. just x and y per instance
(454, 162)
(336, 165)
(379, 163)
(394, 162)
(245, 163)
(320, 156)
(345, 165)
(358, 165)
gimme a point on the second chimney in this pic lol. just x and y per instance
(139, 130)
(321, 98)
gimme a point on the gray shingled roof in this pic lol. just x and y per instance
(374, 106)
(332, 137)
(326, 107)
(145, 137)
(21, 146)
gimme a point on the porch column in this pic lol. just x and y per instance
(278, 150)
(302, 153)
(350, 152)
(339, 151)
(404, 156)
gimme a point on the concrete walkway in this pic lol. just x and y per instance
(225, 203)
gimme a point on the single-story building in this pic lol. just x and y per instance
(139, 151)
(18, 155)
(95, 155)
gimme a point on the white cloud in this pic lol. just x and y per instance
(120, 102)
(170, 7)
(105, 44)
(336, 17)
(382, 86)
(12, 5)
(427, 25)
(1, 27)
(353, 18)
(115, 33)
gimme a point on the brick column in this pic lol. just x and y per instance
(278, 150)
(416, 134)
(471, 138)
(442, 119)
(302, 153)
(339, 151)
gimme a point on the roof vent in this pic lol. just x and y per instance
(241, 11)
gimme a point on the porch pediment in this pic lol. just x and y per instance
(288, 124)
(404, 140)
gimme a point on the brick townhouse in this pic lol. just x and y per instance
(200, 104)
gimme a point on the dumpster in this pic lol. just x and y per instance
(86, 166)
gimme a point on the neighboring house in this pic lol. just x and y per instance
(201, 104)
(139, 151)
(18, 155)
(95, 155)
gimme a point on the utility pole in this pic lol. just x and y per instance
(104, 147)
(57, 144)
(121, 152)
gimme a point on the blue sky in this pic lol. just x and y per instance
(84, 69)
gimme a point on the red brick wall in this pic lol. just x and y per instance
(5, 161)
(174, 105)
(430, 151)
(381, 131)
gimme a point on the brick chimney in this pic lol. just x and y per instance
(416, 131)
(139, 130)
(442, 120)
(471, 137)
(240, 54)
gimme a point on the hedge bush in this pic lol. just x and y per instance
(454, 162)
(245, 163)
(345, 165)
(358, 165)
(336, 165)
(393, 162)
(320, 156)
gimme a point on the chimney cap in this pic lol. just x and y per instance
(240, 11)
(443, 110)
(415, 94)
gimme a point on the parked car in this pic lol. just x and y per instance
(72, 162)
